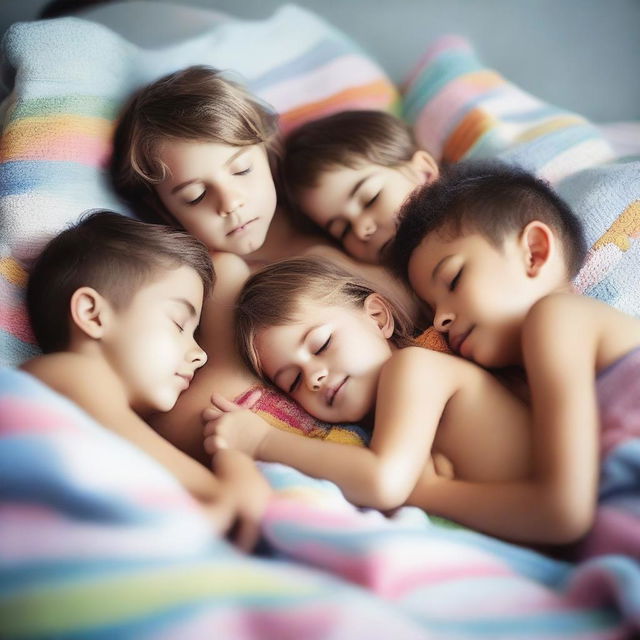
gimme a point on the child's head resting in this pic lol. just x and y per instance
(319, 333)
(128, 292)
(481, 245)
(350, 173)
(193, 149)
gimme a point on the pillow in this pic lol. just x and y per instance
(460, 110)
(70, 79)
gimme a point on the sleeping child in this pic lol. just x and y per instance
(340, 349)
(114, 304)
(492, 250)
(350, 172)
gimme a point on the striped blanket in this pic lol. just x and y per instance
(99, 541)
(461, 110)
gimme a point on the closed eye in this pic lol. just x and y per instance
(370, 202)
(345, 231)
(180, 327)
(243, 172)
(197, 200)
(296, 383)
(454, 283)
(324, 346)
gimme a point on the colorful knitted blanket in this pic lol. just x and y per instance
(99, 541)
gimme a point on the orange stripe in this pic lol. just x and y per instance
(13, 272)
(379, 89)
(466, 134)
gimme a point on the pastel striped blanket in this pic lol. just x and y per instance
(98, 541)
(460, 109)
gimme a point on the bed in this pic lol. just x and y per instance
(97, 540)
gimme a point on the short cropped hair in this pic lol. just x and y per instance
(343, 140)
(275, 296)
(488, 197)
(197, 103)
(113, 254)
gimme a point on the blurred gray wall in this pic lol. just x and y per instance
(579, 54)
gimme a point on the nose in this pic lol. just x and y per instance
(364, 227)
(443, 319)
(229, 200)
(197, 356)
(315, 377)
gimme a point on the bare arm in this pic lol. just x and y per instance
(557, 505)
(407, 415)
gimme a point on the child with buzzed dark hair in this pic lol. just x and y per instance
(493, 250)
(114, 304)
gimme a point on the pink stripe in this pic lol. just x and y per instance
(24, 414)
(16, 322)
(67, 147)
(449, 41)
(439, 116)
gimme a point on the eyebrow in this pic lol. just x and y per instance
(438, 267)
(190, 308)
(353, 191)
(229, 160)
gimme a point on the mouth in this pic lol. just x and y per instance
(240, 228)
(457, 341)
(186, 378)
(333, 392)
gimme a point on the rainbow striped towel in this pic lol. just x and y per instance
(71, 78)
(99, 541)
(460, 110)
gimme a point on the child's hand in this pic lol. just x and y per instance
(244, 495)
(229, 426)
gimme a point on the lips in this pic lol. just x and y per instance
(187, 377)
(456, 341)
(240, 227)
(333, 391)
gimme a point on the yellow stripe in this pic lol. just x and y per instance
(13, 272)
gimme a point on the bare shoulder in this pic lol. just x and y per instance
(231, 273)
(77, 376)
(561, 313)
(420, 361)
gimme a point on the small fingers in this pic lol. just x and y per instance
(223, 404)
(214, 443)
(210, 413)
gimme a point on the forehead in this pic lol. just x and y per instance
(334, 185)
(191, 155)
(167, 283)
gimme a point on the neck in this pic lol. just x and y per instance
(283, 241)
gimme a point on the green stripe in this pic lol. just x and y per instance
(60, 607)
(90, 106)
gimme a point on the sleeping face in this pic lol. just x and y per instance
(329, 360)
(359, 205)
(479, 294)
(222, 195)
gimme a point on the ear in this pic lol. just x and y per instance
(378, 309)
(88, 310)
(537, 242)
(424, 167)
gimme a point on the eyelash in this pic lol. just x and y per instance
(180, 327)
(244, 172)
(368, 204)
(298, 378)
(454, 282)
